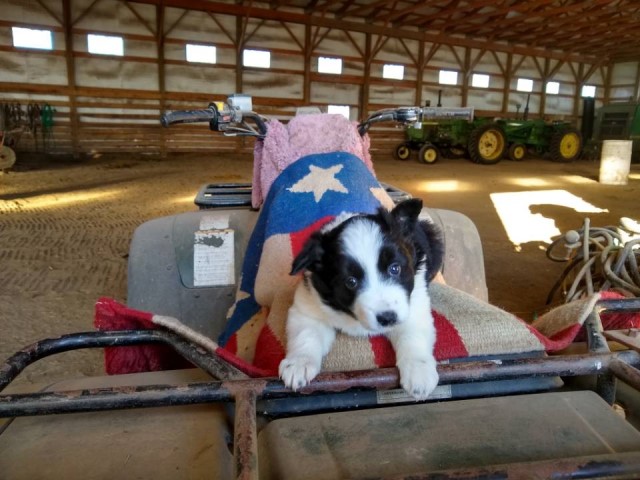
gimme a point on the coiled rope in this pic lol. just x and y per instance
(600, 258)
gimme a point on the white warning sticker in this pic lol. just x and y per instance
(214, 221)
(213, 258)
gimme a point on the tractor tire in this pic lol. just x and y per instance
(455, 152)
(7, 158)
(487, 144)
(428, 154)
(517, 152)
(565, 145)
(402, 152)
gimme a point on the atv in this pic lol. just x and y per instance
(493, 416)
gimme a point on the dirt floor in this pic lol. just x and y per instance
(65, 229)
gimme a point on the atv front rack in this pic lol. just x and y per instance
(234, 386)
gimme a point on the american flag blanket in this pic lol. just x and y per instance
(306, 195)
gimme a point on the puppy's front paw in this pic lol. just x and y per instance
(418, 377)
(297, 372)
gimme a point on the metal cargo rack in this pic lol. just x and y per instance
(235, 387)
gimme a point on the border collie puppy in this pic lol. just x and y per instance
(367, 275)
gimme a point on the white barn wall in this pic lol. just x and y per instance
(117, 100)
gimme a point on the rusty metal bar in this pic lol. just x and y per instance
(212, 364)
(245, 436)
(615, 465)
(619, 305)
(157, 395)
(626, 373)
(597, 343)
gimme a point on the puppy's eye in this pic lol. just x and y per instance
(394, 269)
(351, 283)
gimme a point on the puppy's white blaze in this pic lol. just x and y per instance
(362, 240)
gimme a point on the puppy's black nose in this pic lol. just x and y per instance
(387, 319)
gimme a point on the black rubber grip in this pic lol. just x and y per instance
(187, 116)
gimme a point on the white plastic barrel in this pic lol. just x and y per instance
(615, 162)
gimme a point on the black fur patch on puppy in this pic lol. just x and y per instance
(403, 246)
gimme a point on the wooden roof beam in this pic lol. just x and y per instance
(300, 18)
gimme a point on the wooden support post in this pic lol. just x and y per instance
(161, 73)
(419, 70)
(71, 76)
(506, 91)
(466, 73)
(636, 90)
(543, 93)
(308, 49)
(239, 48)
(576, 97)
(364, 88)
(607, 84)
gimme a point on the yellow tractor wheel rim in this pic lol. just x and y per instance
(403, 152)
(429, 155)
(518, 152)
(491, 144)
(569, 145)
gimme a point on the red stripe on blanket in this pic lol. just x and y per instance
(232, 344)
(269, 351)
(299, 238)
(383, 353)
(560, 340)
(111, 315)
(449, 344)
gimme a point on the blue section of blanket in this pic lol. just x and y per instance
(312, 188)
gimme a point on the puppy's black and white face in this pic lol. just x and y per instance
(366, 266)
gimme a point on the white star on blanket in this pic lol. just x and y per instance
(319, 181)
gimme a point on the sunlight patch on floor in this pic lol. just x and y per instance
(57, 200)
(522, 226)
(528, 182)
(444, 186)
(577, 179)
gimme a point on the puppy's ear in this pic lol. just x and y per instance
(310, 254)
(431, 242)
(406, 214)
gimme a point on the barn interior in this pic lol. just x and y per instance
(85, 161)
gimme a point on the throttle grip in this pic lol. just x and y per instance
(188, 116)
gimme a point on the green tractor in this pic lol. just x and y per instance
(453, 132)
(560, 140)
(619, 120)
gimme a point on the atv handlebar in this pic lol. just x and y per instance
(188, 116)
(229, 117)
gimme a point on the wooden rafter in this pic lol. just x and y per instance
(176, 23)
(531, 25)
(51, 13)
(221, 27)
(84, 13)
(140, 18)
(293, 37)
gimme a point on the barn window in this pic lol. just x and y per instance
(339, 109)
(589, 91)
(480, 80)
(394, 72)
(105, 44)
(329, 65)
(201, 53)
(525, 85)
(448, 77)
(30, 38)
(256, 58)
(553, 88)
